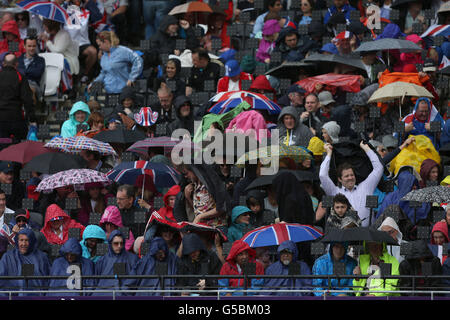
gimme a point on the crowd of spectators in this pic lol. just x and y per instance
(130, 65)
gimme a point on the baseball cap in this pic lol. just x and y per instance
(22, 213)
(296, 88)
(6, 166)
(232, 68)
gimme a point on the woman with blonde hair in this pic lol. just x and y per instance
(120, 65)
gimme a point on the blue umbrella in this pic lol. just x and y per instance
(162, 175)
(275, 234)
(46, 9)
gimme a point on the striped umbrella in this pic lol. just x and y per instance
(225, 101)
(73, 177)
(275, 234)
(76, 144)
(161, 175)
(46, 9)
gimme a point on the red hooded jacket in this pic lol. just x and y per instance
(54, 211)
(261, 83)
(167, 211)
(230, 267)
(11, 27)
(222, 84)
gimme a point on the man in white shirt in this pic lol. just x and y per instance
(356, 194)
(4, 229)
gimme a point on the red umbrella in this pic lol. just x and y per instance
(23, 152)
(332, 81)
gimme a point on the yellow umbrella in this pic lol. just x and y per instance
(398, 90)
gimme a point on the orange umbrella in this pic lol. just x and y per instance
(194, 6)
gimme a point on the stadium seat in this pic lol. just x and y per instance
(54, 65)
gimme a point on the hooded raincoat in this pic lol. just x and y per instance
(148, 266)
(208, 263)
(91, 232)
(60, 268)
(412, 266)
(105, 266)
(13, 260)
(69, 127)
(280, 285)
(167, 210)
(232, 268)
(324, 265)
(433, 115)
(236, 230)
(54, 211)
(406, 181)
(11, 27)
(294, 203)
(425, 169)
(297, 136)
(112, 215)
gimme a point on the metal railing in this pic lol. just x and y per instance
(216, 292)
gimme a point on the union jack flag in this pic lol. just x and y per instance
(437, 30)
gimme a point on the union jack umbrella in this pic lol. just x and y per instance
(76, 144)
(146, 117)
(225, 101)
(437, 30)
(275, 234)
(161, 175)
(46, 9)
(73, 177)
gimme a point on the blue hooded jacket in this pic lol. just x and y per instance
(12, 261)
(69, 127)
(324, 266)
(236, 230)
(406, 181)
(146, 266)
(91, 231)
(60, 265)
(278, 268)
(420, 126)
(105, 266)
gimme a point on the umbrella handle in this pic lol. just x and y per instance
(143, 184)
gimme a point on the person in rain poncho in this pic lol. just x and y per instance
(197, 260)
(157, 254)
(25, 252)
(78, 116)
(71, 254)
(287, 257)
(240, 254)
(105, 265)
(92, 236)
(324, 265)
(390, 226)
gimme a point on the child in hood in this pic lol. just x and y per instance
(240, 220)
(11, 34)
(112, 220)
(78, 115)
(271, 30)
(169, 201)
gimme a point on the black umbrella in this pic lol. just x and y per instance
(401, 4)
(121, 135)
(350, 60)
(290, 69)
(388, 44)
(266, 180)
(358, 234)
(54, 162)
